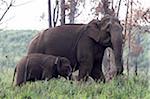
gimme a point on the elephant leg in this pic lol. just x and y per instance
(20, 75)
(84, 71)
(97, 73)
(85, 57)
(85, 67)
(19, 78)
(47, 75)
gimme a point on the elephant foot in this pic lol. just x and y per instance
(82, 79)
(101, 79)
(98, 77)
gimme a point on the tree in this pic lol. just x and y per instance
(72, 7)
(56, 13)
(53, 14)
(62, 6)
(49, 13)
(136, 16)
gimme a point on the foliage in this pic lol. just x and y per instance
(13, 44)
(139, 53)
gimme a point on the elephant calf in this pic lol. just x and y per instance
(41, 67)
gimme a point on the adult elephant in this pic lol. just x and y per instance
(83, 45)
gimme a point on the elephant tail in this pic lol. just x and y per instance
(14, 76)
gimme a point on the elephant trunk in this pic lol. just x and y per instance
(117, 47)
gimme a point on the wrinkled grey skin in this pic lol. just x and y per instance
(83, 45)
(40, 67)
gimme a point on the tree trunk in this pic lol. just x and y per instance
(125, 34)
(72, 11)
(56, 13)
(129, 35)
(49, 13)
(118, 8)
(62, 12)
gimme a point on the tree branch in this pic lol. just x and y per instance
(126, 19)
(10, 5)
(118, 7)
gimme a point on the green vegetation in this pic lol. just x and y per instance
(122, 88)
(13, 45)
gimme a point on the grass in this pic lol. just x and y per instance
(120, 88)
(13, 47)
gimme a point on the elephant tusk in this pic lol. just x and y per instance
(56, 61)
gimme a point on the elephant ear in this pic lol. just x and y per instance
(58, 63)
(93, 30)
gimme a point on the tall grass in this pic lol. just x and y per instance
(119, 88)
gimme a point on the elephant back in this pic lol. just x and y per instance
(58, 41)
(62, 40)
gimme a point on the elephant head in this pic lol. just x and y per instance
(108, 33)
(63, 67)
